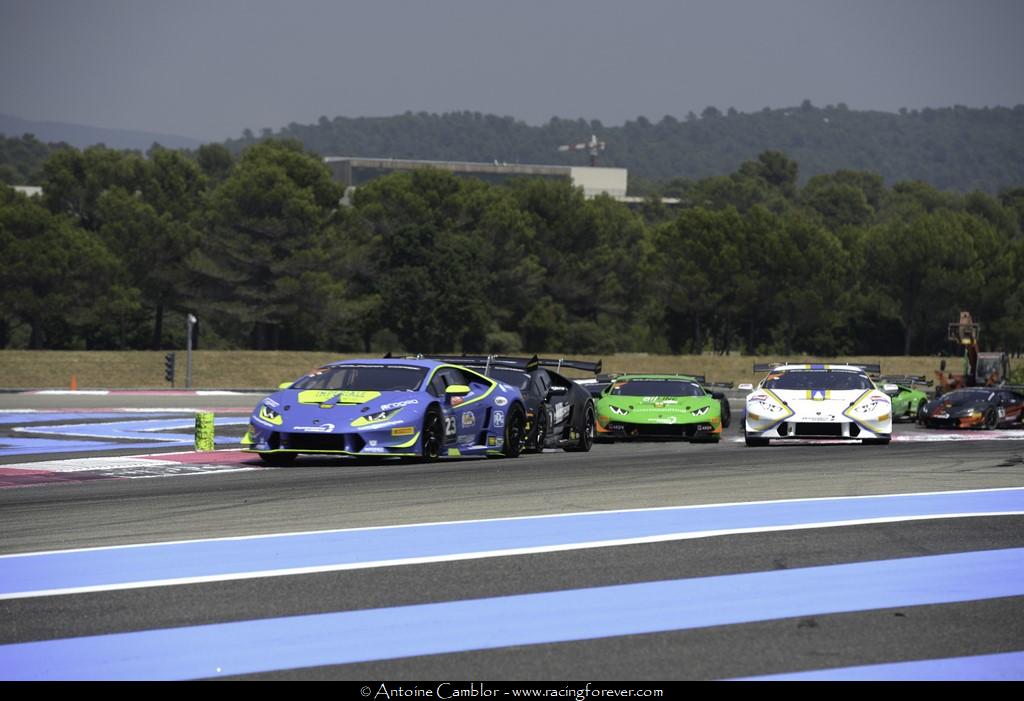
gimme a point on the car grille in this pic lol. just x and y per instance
(665, 430)
(943, 423)
(817, 429)
(347, 442)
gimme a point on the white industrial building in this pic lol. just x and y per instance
(352, 172)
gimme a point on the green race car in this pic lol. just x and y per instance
(658, 406)
(907, 399)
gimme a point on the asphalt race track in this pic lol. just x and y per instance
(656, 560)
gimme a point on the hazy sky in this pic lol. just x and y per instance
(210, 68)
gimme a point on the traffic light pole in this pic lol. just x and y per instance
(190, 322)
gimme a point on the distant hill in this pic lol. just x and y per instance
(81, 136)
(954, 148)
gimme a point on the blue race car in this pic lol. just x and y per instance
(388, 407)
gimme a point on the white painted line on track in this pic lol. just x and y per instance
(176, 464)
(535, 517)
(477, 555)
(89, 464)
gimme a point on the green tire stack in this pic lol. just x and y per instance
(204, 431)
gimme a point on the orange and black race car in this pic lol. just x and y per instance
(975, 407)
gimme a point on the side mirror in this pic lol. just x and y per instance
(745, 386)
(284, 385)
(457, 390)
(891, 389)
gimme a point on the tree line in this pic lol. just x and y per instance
(121, 246)
(954, 148)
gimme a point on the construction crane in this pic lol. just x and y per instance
(979, 369)
(594, 147)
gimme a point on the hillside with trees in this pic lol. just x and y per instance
(955, 148)
(21, 159)
(120, 247)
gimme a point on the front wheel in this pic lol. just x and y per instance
(540, 433)
(876, 441)
(991, 419)
(755, 442)
(433, 435)
(586, 439)
(921, 415)
(515, 432)
(277, 459)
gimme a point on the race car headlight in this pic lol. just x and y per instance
(269, 415)
(617, 410)
(700, 412)
(766, 406)
(377, 418)
(871, 405)
(869, 408)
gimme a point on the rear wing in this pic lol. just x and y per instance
(907, 380)
(486, 361)
(699, 379)
(507, 361)
(597, 385)
(866, 367)
(559, 363)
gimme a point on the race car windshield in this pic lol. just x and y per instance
(657, 388)
(972, 395)
(380, 378)
(817, 379)
(515, 378)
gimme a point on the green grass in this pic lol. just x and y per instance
(266, 369)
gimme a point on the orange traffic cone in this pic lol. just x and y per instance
(74, 383)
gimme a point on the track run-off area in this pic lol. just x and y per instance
(126, 555)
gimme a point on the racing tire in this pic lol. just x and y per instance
(991, 420)
(921, 414)
(725, 412)
(540, 433)
(515, 432)
(876, 441)
(586, 439)
(277, 459)
(433, 435)
(755, 442)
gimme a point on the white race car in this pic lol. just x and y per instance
(831, 402)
